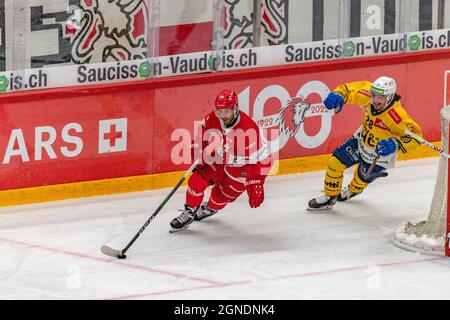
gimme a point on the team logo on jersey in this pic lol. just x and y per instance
(380, 124)
(102, 31)
(395, 116)
(292, 115)
(405, 139)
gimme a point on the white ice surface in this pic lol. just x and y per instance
(278, 251)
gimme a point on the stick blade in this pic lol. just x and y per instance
(112, 252)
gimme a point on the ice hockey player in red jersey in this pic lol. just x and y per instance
(234, 159)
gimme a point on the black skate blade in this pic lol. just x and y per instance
(343, 199)
(173, 230)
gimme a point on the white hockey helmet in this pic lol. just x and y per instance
(384, 86)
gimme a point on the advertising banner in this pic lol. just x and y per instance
(2, 36)
(270, 102)
(102, 132)
(76, 137)
(205, 62)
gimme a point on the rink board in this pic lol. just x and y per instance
(77, 142)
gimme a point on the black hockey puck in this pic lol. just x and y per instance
(122, 256)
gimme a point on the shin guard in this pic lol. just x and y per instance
(334, 177)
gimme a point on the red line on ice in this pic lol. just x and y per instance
(109, 261)
(282, 277)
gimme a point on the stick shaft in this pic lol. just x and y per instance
(420, 140)
(427, 143)
(163, 203)
(374, 162)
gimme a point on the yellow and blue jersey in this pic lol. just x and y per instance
(377, 126)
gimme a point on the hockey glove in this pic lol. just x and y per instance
(388, 146)
(334, 101)
(255, 191)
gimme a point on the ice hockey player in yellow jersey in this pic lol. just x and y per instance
(382, 135)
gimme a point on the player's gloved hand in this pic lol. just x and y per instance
(334, 101)
(255, 191)
(388, 146)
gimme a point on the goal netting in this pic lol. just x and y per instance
(430, 236)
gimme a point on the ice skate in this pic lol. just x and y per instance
(346, 194)
(321, 203)
(183, 221)
(204, 212)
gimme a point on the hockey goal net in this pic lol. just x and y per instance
(431, 236)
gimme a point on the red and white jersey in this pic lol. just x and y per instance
(241, 148)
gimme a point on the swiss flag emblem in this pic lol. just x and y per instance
(112, 135)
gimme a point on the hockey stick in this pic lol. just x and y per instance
(427, 143)
(420, 140)
(374, 162)
(121, 253)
